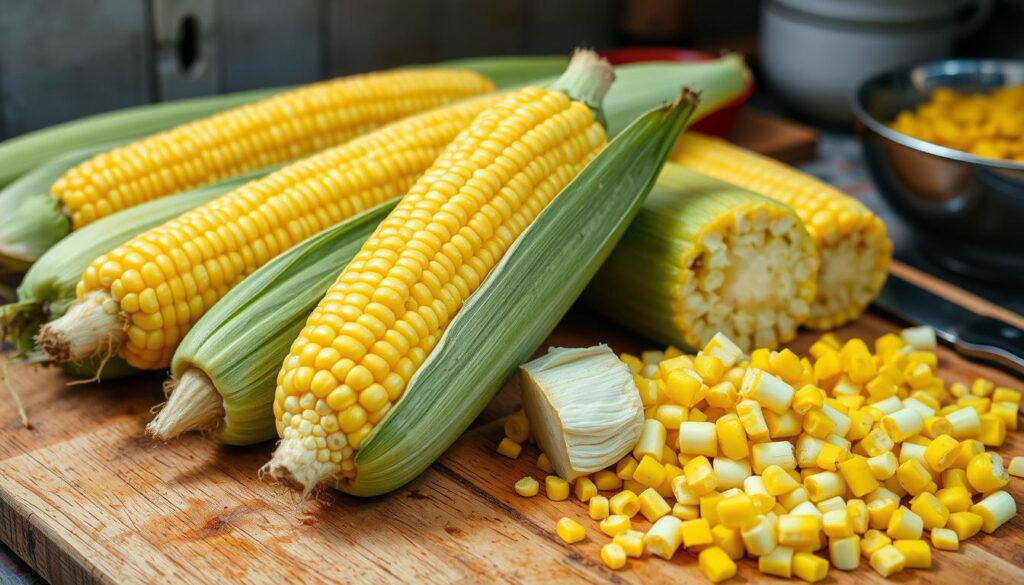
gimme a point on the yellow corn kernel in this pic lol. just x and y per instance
(935, 426)
(954, 477)
(1003, 394)
(872, 541)
(732, 438)
(993, 430)
(945, 539)
(959, 389)
(735, 510)
(778, 562)
(631, 541)
(729, 539)
(1016, 467)
(982, 387)
(700, 476)
(933, 513)
(697, 415)
(670, 415)
(597, 508)
(652, 505)
(509, 448)
(722, 395)
(857, 515)
(769, 391)
(902, 424)
(649, 472)
(754, 487)
(556, 488)
(969, 448)
(613, 556)
(877, 442)
(913, 477)
(836, 523)
(696, 532)
(797, 530)
(685, 511)
(1006, 412)
(652, 440)
(759, 536)
(517, 427)
(917, 553)
(716, 564)
(570, 530)
(844, 552)
(730, 473)
(684, 387)
(777, 481)
(941, 452)
(752, 418)
(955, 498)
(995, 510)
(807, 398)
(966, 422)
(544, 464)
(650, 394)
(824, 485)
(606, 480)
(615, 524)
(859, 476)
(625, 503)
(888, 560)
(985, 472)
(827, 367)
(698, 438)
(979, 404)
(829, 457)
(904, 524)
(710, 368)
(964, 524)
(809, 567)
(584, 489)
(779, 453)
(527, 487)
(633, 362)
(817, 424)
(625, 468)
(665, 537)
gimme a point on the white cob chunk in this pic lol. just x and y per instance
(583, 407)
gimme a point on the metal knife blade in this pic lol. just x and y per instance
(976, 336)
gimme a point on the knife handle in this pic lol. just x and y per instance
(992, 340)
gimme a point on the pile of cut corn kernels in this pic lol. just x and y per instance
(803, 463)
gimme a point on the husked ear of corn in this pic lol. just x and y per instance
(406, 300)
(224, 367)
(852, 244)
(704, 256)
(218, 387)
(48, 288)
(139, 300)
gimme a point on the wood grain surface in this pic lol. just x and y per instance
(85, 498)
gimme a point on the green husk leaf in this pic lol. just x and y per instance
(518, 304)
(49, 285)
(512, 71)
(241, 342)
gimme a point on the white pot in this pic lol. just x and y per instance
(814, 53)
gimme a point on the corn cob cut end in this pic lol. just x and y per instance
(193, 404)
(19, 321)
(93, 326)
(296, 464)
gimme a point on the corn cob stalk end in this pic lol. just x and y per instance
(92, 327)
(193, 404)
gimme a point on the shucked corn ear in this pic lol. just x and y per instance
(278, 128)
(457, 225)
(139, 300)
(227, 395)
(704, 256)
(48, 287)
(852, 244)
(219, 387)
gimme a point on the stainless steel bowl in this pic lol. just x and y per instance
(965, 211)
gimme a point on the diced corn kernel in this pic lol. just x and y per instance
(1006, 412)
(993, 430)
(665, 537)
(836, 503)
(696, 532)
(625, 502)
(734, 511)
(913, 477)
(872, 541)
(809, 567)
(684, 387)
(945, 539)
(685, 512)
(933, 513)
(888, 560)
(710, 368)
(732, 438)
(698, 438)
(982, 387)
(965, 524)
(517, 427)
(824, 485)
(860, 479)
(730, 540)
(730, 473)
(793, 498)
(652, 505)
(544, 464)
(902, 424)
(777, 481)
(1016, 467)
(670, 415)
(779, 453)
(836, 524)
(1003, 394)
(844, 552)
(877, 442)
(880, 512)
(625, 467)
(527, 487)
(941, 452)
(652, 440)
(759, 536)
(752, 418)
(722, 395)
(995, 510)
(798, 531)
(955, 498)
(556, 488)
(509, 448)
(615, 524)
(968, 449)
(584, 489)
(606, 480)
(857, 514)
(917, 553)
(700, 476)
(985, 472)
(904, 525)
(613, 556)
(716, 564)
(966, 423)
(570, 530)
(597, 508)
(632, 543)
(817, 424)
(649, 472)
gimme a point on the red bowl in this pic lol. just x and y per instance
(718, 123)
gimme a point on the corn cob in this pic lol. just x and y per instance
(48, 288)
(704, 256)
(499, 324)
(267, 310)
(139, 300)
(216, 387)
(852, 244)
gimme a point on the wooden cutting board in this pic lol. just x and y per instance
(85, 498)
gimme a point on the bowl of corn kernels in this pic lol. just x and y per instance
(944, 143)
